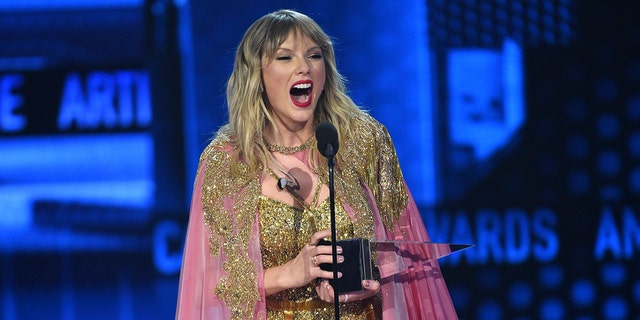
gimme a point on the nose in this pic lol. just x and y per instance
(304, 67)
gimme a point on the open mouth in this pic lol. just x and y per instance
(300, 93)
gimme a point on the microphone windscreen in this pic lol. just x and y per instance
(327, 137)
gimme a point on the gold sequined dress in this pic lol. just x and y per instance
(234, 234)
(284, 230)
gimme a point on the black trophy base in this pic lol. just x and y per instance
(355, 267)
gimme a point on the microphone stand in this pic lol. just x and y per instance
(328, 144)
(332, 200)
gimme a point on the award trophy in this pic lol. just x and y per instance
(393, 257)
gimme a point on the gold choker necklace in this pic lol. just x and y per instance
(289, 150)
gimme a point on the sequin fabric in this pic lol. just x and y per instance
(231, 227)
(284, 231)
(231, 200)
(368, 157)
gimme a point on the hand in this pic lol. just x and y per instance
(326, 293)
(304, 268)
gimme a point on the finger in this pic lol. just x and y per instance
(320, 290)
(328, 274)
(328, 258)
(316, 237)
(371, 285)
(328, 250)
(326, 291)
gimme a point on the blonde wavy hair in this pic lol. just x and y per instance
(248, 111)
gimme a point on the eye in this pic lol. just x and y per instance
(283, 58)
(315, 56)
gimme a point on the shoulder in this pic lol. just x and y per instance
(221, 143)
(366, 130)
(220, 165)
(220, 148)
(364, 119)
(363, 141)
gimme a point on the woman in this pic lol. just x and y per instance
(260, 205)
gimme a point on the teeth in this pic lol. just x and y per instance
(302, 86)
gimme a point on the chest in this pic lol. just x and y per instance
(284, 229)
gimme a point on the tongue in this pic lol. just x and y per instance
(300, 98)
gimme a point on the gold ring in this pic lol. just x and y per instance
(314, 260)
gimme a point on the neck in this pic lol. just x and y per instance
(287, 137)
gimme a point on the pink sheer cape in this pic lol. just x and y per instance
(417, 294)
(201, 272)
(421, 291)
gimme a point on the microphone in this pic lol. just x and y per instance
(286, 183)
(327, 137)
(283, 183)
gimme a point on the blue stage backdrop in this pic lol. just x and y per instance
(517, 124)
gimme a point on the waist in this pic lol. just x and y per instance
(308, 305)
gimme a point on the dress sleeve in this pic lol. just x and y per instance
(222, 274)
(199, 271)
(414, 288)
(410, 288)
(424, 286)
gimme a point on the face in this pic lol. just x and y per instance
(293, 81)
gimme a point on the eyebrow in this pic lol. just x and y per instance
(290, 50)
